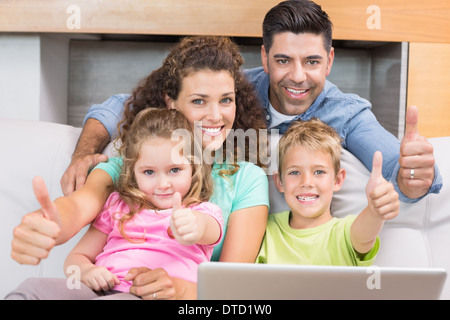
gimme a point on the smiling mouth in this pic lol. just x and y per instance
(163, 195)
(212, 130)
(297, 91)
(307, 199)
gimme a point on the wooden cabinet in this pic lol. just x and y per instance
(428, 87)
(390, 20)
(381, 20)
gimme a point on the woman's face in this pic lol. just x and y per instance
(207, 99)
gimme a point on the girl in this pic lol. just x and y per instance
(144, 223)
(201, 78)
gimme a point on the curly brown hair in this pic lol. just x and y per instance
(193, 54)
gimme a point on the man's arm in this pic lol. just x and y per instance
(366, 136)
(100, 127)
(57, 222)
(87, 155)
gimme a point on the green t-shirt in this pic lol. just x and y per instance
(327, 244)
(248, 187)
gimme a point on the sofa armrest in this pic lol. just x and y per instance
(30, 148)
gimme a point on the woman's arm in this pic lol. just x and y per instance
(82, 207)
(244, 235)
(37, 234)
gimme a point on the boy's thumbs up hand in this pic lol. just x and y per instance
(376, 176)
(381, 195)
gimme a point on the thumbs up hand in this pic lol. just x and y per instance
(381, 195)
(48, 208)
(186, 227)
(416, 160)
(36, 235)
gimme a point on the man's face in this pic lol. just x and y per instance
(298, 65)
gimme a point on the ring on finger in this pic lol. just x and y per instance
(154, 295)
(411, 174)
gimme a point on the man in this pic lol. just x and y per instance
(297, 56)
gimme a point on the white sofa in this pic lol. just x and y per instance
(418, 237)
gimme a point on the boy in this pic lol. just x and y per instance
(308, 174)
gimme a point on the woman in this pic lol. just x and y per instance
(201, 78)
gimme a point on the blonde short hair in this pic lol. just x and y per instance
(313, 135)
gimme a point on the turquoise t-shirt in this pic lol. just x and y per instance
(327, 244)
(248, 187)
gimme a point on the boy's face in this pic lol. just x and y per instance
(308, 181)
(298, 65)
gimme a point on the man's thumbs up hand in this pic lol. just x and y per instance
(416, 159)
(411, 131)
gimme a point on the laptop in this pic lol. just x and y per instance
(246, 281)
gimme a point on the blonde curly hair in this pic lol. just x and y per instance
(160, 123)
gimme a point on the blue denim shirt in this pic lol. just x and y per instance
(349, 114)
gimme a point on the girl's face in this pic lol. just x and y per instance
(207, 99)
(160, 172)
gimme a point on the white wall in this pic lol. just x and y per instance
(34, 77)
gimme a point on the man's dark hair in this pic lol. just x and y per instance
(297, 16)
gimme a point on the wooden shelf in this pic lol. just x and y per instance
(424, 24)
(414, 20)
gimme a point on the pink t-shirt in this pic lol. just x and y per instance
(158, 250)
